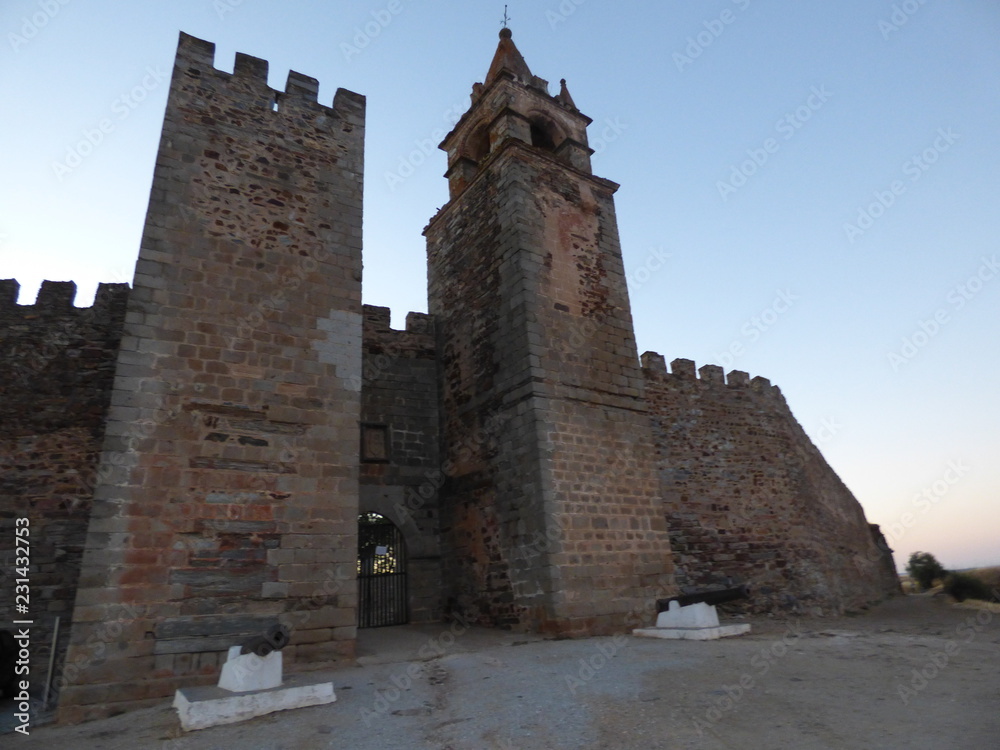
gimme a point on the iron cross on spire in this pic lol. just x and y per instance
(506, 17)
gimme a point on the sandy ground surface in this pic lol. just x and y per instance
(915, 673)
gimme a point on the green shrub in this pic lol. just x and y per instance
(962, 586)
(924, 568)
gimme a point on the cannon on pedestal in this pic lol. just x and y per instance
(274, 639)
(693, 616)
(251, 684)
(713, 597)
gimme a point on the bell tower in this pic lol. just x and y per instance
(514, 104)
(551, 514)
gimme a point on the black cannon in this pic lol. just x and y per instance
(714, 596)
(275, 639)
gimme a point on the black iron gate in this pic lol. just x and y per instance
(382, 595)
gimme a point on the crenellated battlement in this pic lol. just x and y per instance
(247, 297)
(241, 372)
(417, 340)
(654, 365)
(57, 361)
(57, 366)
(196, 59)
(56, 298)
(9, 289)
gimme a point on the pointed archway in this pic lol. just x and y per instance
(382, 584)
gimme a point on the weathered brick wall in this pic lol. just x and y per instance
(750, 499)
(56, 369)
(552, 517)
(399, 399)
(880, 557)
(230, 499)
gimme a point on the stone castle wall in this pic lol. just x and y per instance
(400, 464)
(194, 454)
(466, 276)
(750, 499)
(229, 494)
(552, 519)
(57, 365)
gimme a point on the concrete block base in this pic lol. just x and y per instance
(203, 707)
(244, 673)
(694, 634)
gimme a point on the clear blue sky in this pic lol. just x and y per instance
(809, 190)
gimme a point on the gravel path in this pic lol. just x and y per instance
(802, 683)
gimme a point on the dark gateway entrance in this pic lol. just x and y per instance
(382, 594)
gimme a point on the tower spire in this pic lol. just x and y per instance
(508, 58)
(514, 104)
(564, 98)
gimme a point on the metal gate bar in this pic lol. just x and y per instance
(382, 589)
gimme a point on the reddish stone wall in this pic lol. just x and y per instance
(551, 518)
(56, 368)
(229, 495)
(533, 468)
(399, 402)
(750, 499)
(488, 513)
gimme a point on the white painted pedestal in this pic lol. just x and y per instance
(249, 686)
(695, 622)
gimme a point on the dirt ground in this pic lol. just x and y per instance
(915, 673)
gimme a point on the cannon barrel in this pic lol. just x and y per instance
(274, 639)
(715, 596)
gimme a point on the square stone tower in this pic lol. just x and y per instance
(227, 497)
(551, 517)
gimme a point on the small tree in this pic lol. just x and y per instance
(924, 568)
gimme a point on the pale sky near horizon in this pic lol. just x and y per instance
(809, 191)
